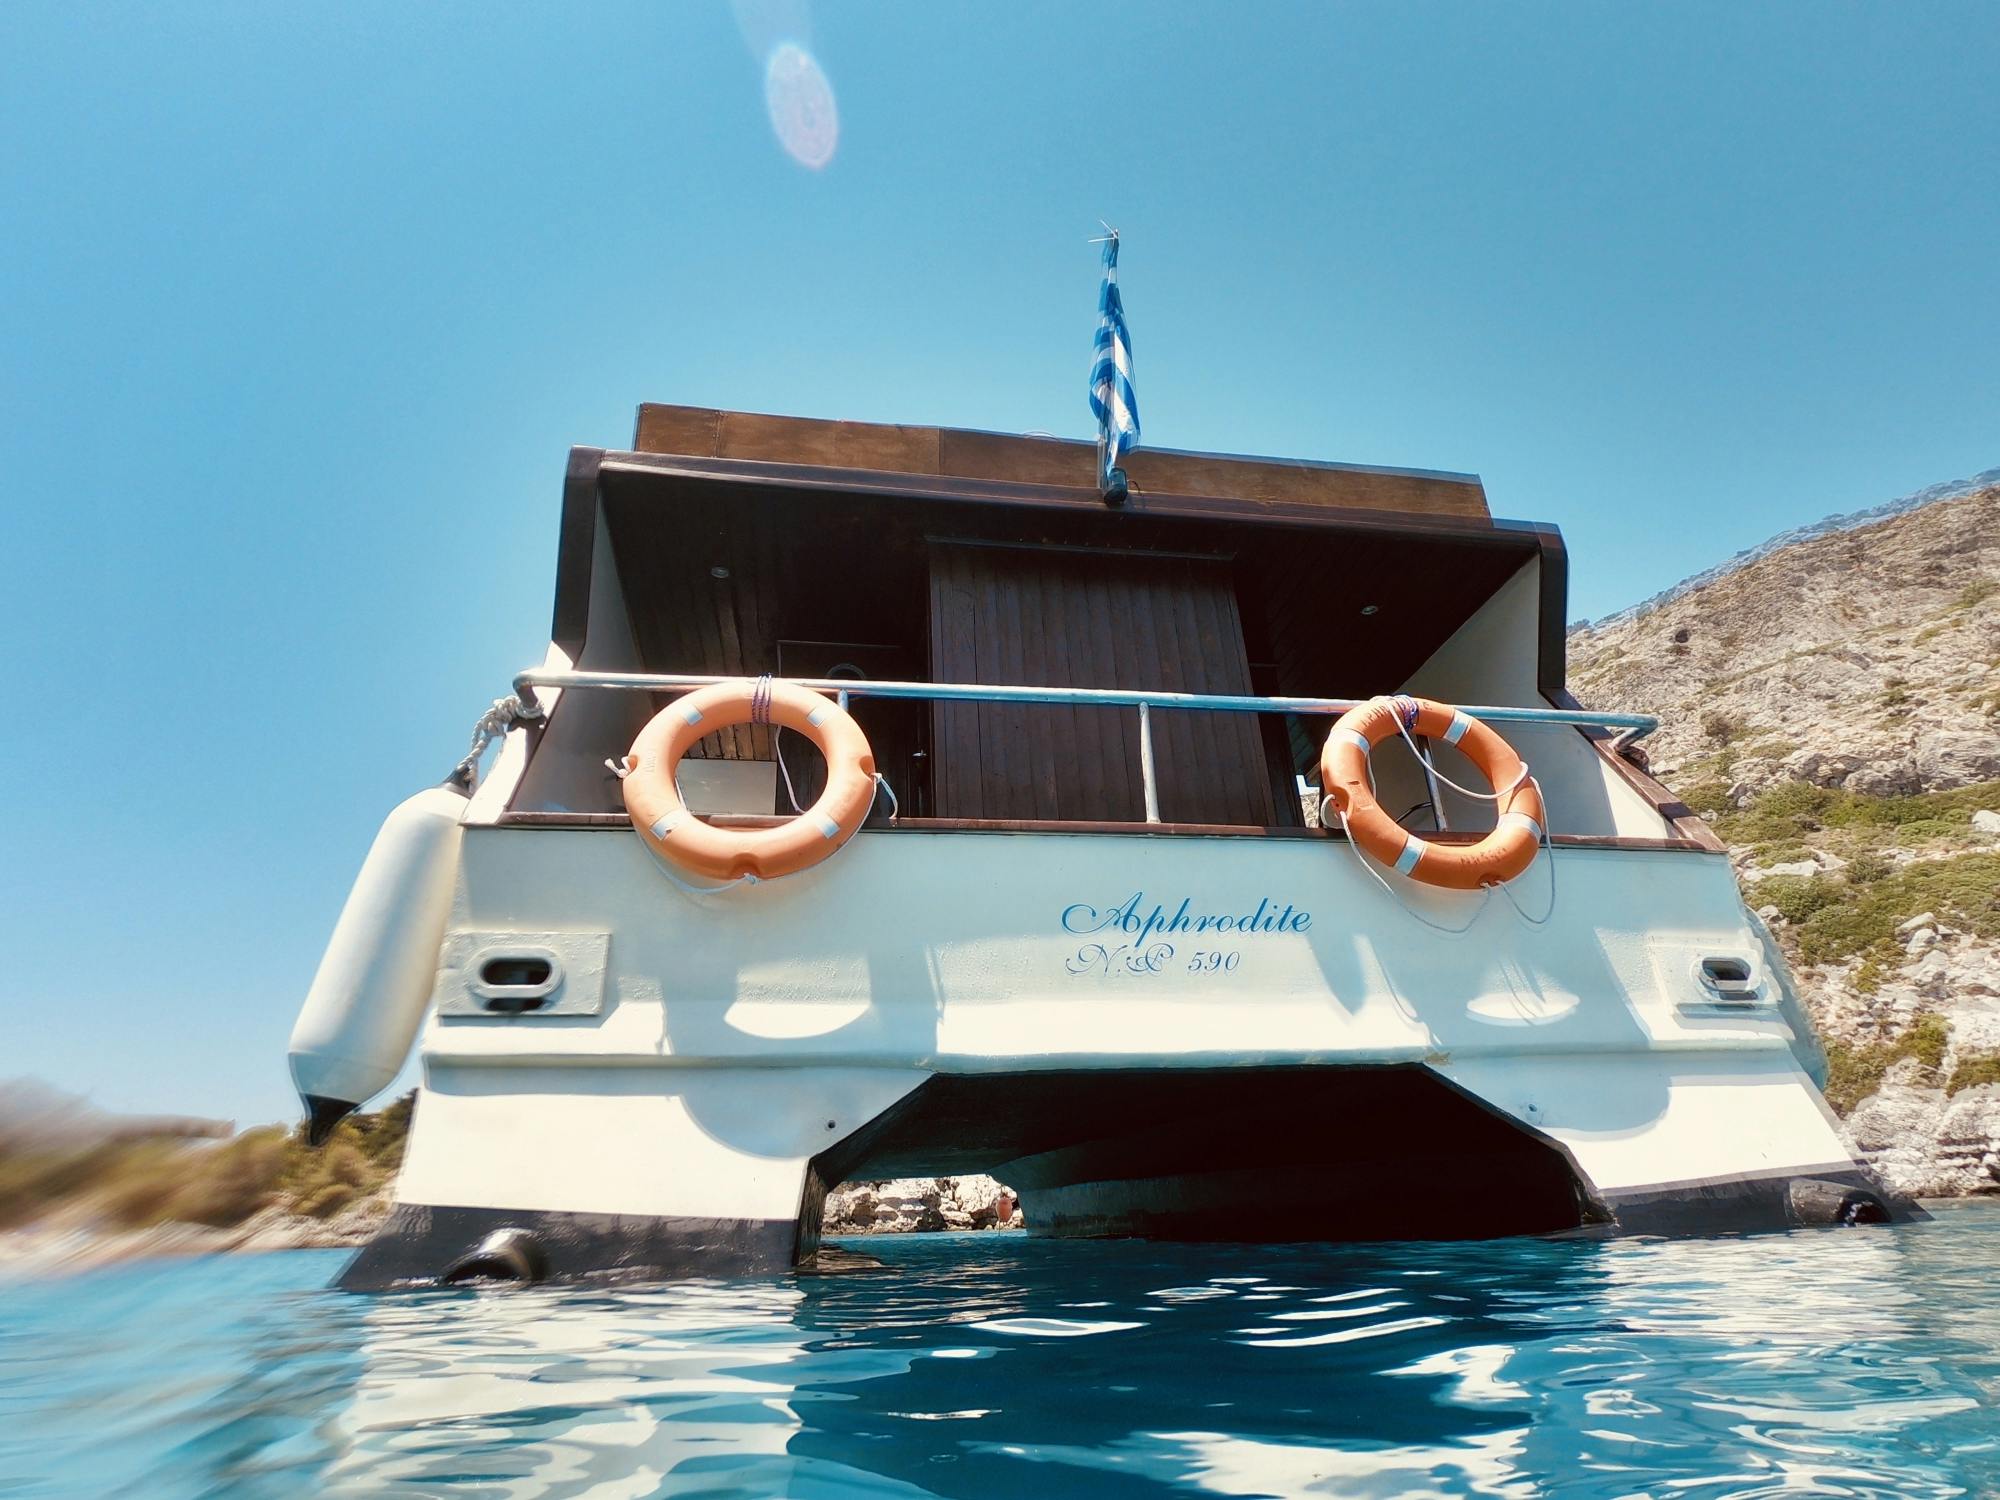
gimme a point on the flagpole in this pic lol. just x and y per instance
(1112, 486)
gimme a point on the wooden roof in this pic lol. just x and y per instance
(704, 432)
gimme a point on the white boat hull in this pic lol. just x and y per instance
(1398, 1060)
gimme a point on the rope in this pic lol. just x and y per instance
(1404, 710)
(760, 713)
(697, 890)
(1403, 726)
(778, 749)
(1485, 892)
(1549, 849)
(495, 722)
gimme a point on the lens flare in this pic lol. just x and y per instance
(801, 104)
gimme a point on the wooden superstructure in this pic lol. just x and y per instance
(747, 544)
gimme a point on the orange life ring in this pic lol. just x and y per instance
(1344, 780)
(678, 836)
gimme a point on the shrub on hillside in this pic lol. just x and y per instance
(1855, 1073)
(1709, 796)
(34, 1177)
(1835, 918)
(230, 1182)
(1976, 593)
(1784, 813)
(1973, 1069)
(1866, 866)
(1797, 897)
(139, 1189)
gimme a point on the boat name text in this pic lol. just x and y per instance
(1133, 919)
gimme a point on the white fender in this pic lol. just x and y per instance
(374, 983)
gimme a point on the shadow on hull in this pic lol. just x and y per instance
(1266, 1154)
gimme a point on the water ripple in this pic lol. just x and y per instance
(1856, 1363)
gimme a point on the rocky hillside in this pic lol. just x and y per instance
(1954, 490)
(1863, 660)
(1833, 706)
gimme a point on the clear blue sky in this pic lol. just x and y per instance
(303, 305)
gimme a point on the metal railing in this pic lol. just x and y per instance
(1632, 727)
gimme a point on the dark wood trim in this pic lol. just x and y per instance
(1552, 636)
(1237, 831)
(705, 432)
(1129, 830)
(576, 552)
(1615, 841)
(1684, 820)
(1512, 535)
(560, 820)
(575, 547)
(1050, 825)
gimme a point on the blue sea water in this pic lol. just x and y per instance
(1855, 1362)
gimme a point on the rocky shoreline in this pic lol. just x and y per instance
(1919, 1038)
(69, 1243)
(62, 1247)
(909, 1205)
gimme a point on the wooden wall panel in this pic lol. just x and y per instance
(1055, 617)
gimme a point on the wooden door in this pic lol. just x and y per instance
(1058, 617)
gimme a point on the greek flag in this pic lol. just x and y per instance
(1112, 399)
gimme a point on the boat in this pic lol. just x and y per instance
(1060, 908)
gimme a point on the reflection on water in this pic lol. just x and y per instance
(1856, 1362)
